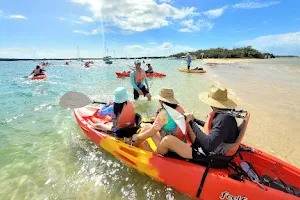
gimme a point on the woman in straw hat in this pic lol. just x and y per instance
(164, 123)
(220, 129)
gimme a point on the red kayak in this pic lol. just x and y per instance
(39, 77)
(127, 74)
(278, 180)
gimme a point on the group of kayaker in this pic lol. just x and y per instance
(220, 134)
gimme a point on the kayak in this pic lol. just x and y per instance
(186, 176)
(127, 74)
(39, 77)
(191, 70)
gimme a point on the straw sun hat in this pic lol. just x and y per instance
(217, 97)
(167, 95)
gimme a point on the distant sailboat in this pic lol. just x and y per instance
(107, 58)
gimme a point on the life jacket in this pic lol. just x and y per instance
(171, 127)
(139, 76)
(127, 116)
(227, 149)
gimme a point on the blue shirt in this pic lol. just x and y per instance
(189, 60)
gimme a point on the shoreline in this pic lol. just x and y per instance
(218, 61)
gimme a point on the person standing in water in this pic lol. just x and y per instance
(139, 82)
(188, 60)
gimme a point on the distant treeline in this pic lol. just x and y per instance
(243, 52)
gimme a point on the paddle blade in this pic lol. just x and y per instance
(74, 100)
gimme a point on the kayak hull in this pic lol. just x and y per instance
(127, 74)
(191, 71)
(185, 176)
(39, 77)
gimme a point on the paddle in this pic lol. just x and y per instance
(76, 100)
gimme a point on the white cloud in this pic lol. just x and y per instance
(281, 44)
(62, 18)
(136, 48)
(81, 32)
(165, 1)
(245, 30)
(152, 43)
(185, 30)
(17, 17)
(78, 22)
(254, 4)
(136, 15)
(99, 31)
(215, 13)
(192, 26)
(164, 49)
(86, 19)
(166, 46)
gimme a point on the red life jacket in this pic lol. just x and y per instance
(139, 76)
(227, 149)
(126, 117)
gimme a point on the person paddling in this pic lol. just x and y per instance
(138, 81)
(38, 71)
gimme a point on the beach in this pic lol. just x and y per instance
(45, 154)
(215, 61)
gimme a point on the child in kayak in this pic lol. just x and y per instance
(139, 82)
(120, 113)
(165, 122)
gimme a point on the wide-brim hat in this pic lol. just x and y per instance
(121, 95)
(167, 95)
(217, 97)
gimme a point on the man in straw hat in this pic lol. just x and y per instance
(167, 121)
(220, 129)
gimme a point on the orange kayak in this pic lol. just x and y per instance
(39, 77)
(127, 74)
(186, 176)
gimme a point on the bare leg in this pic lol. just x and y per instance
(148, 95)
(176, 145)
(100, 125)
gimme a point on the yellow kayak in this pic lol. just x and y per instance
(191, 70)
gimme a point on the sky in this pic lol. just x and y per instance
(134, 28)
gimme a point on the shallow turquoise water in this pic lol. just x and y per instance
(45, 155)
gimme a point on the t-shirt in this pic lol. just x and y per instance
(160, 120)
